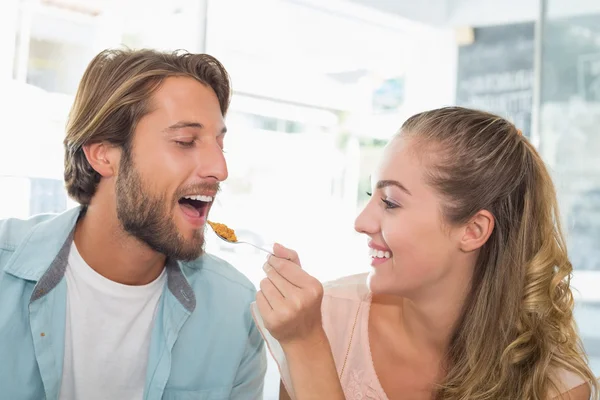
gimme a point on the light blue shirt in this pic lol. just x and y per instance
(204, 343)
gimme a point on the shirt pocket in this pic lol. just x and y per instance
(206, 394)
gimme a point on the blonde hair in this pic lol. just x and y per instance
(114, 95)
(517, 328)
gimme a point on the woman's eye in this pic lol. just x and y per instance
(388, 204)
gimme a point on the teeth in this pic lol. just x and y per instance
(379, 254)
(206, 199)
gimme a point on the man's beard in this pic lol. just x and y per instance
(149, 217)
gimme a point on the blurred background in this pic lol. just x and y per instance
(319, 87)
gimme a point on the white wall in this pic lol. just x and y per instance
(431, 71)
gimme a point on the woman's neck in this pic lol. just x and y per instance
(427, 319)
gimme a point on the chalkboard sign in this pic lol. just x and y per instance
(495, 72)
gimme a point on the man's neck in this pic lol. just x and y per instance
(113, 253)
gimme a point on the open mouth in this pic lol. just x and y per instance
(195, 206)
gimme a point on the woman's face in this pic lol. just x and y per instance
(412, 249)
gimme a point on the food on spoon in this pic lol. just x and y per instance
(223, 231)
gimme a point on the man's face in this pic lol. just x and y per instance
(168, 180)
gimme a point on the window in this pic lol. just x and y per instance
(570, 144)
(312, 108)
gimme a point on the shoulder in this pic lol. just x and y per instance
(351, 288)
(570, 385)
(581, 392)
(14, 230)
(345, 300)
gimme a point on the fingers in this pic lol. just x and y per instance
(290, 271)
(263, 304)
(271, 294)
(289, 298)
(285, 287)
(285, 253)
(295, 284)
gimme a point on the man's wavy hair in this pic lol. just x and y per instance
(114, 95)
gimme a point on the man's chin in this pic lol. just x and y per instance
(190, 256)
(180, 250)
(190, 251)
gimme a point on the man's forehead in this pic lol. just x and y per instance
(185, 108)
(185, 92)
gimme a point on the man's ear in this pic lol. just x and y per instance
(103, 158)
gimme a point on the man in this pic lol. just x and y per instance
(116, 299)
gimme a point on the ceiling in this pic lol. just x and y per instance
(454, 13)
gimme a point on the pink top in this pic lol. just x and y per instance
(345, 309)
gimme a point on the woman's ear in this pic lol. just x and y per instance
(477, 231)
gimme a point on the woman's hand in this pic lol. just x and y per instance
(289, 300)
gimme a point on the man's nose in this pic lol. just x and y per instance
(212, 163)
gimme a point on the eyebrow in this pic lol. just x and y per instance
(386, 183)
(189, 124)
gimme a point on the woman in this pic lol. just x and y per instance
(468, 296)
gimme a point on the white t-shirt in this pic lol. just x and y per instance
(107, 334)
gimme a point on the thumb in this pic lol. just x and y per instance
(283, 252)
